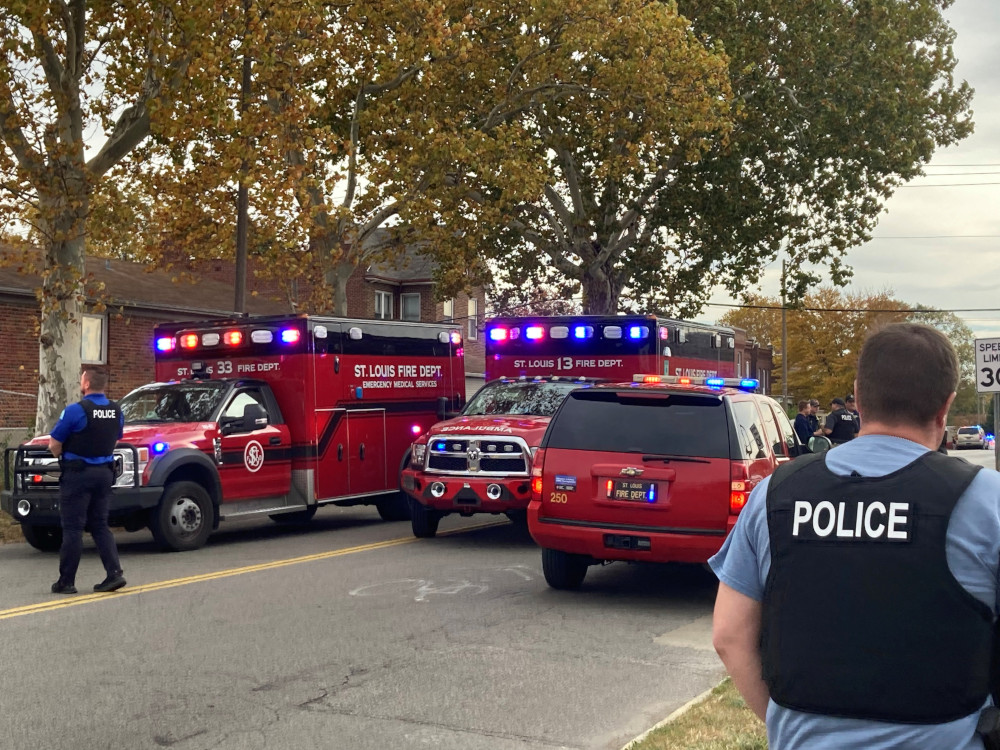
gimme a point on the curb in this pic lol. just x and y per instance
(677, 713)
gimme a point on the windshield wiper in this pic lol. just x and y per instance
(668, 458)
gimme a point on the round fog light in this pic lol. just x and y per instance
(23, 507)
(437, 489)
(494, 491)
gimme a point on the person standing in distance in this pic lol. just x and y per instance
(852, 409)
(858, 590)
(839, 425)
(84, 440)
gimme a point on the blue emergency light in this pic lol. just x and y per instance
(635, 332)
(750, 383)
(715, 382)
(290, 336)
(651, 495)
(159, 447)
(498, 334)
(165, 344)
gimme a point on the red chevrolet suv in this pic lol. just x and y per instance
(655, 471)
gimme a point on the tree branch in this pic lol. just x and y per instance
(10, 133)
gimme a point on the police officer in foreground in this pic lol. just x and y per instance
(83, 440)
(840, 425)
(858, 590)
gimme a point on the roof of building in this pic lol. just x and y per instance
(134, 285)
(409, 266)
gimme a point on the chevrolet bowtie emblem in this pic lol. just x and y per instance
(631, 471)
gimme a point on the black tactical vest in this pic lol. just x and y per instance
(861, 616)
(98, 438)
(843, 426)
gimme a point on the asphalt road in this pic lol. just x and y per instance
(347, 633)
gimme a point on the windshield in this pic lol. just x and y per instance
(191, 401)
(968, 431)
(535, 398)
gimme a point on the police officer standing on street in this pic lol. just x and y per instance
(83, 440)
(858, 590)
(840, 425)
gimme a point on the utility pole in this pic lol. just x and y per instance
(784, 343)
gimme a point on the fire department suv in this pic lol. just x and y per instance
(251, 416)
(480, 461)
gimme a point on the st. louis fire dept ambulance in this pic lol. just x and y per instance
(480, 461)
(260, 416)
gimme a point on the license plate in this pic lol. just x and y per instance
(632, 490)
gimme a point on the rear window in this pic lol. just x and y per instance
(968, 430)
(675, 424)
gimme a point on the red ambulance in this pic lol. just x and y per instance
(480, 461)
(260, 416)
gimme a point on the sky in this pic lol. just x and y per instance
(934, 245)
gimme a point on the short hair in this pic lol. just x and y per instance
(803, 404)
(891, 389)
(813, 402)
(98, 379)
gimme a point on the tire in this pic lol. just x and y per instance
(298, 516)
(184, 518)
(519, 518)
(424, 521)
(44, 538)
(562, 570)
(394, 507)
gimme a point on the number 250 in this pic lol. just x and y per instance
(558, 497)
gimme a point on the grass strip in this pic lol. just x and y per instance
(723, 721)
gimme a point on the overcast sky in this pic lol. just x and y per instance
(938, 263)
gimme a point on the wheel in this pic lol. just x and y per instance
(44, 538)
(423, 520)
(394, 507)
(563, 570)
(184, 518)
(298, 516)
(519, 518)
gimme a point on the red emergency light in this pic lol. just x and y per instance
(188, 341)
(233, 338)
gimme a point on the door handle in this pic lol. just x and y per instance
(274, 441)
(336, 365)
(340, 452)
(362, 452)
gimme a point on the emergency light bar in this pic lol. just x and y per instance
(744, 384)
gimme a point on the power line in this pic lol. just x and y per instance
(953, 184)
(935, 237)
(853, 309)
(957, 166)
(959, 174)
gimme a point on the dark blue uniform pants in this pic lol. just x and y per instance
(84, 497)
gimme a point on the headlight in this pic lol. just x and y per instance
(125, 468)
(418, 452)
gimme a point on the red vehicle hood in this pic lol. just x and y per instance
(528, 427)
(147, 434)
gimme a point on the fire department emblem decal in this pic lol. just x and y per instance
(253, 456)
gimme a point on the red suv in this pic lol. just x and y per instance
(653, 471)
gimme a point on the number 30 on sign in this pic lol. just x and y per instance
(988, 365)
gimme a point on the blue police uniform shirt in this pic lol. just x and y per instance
(972, 546)
(74, 419)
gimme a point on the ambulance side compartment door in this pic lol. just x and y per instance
(256, 460)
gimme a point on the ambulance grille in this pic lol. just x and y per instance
(488, 455)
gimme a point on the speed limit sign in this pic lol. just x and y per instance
(988, 365)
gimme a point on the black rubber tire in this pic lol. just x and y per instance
(44, 538)
(394, 507)
(184, 518)
(298, 516)
(519, 518)
(562, 570)
(423, 520)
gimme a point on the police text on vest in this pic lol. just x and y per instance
(105, 414)
(867, 520)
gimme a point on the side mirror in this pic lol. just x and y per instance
(254, 418)
(442, 408)
(819, 444)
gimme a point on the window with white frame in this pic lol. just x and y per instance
(383, 305)
(473, 320)
(94, 346)
(409, 306)
(448, 310)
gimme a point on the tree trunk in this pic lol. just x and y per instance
(337, 275)
(62, 305)
(600, 292)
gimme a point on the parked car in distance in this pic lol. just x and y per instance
(970, 437)
(653, 471)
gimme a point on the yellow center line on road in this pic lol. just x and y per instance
(61, 603)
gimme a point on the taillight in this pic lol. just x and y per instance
(536, 474)
(739, 486)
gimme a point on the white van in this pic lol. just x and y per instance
(970, 437)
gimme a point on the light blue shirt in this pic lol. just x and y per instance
(973, 552)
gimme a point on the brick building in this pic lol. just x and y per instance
(120, 338)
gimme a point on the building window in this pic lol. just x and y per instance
(409, 306)
(383, 305)
(94, 347)
(448, 310)
(473, 320)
